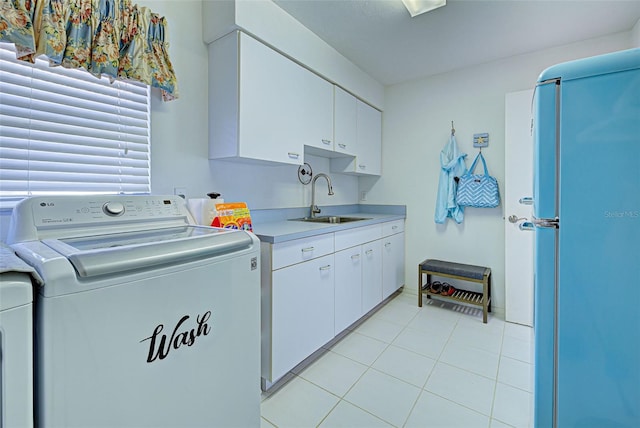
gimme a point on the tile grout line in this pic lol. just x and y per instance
(495, 385)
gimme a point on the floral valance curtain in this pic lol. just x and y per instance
(105, 37)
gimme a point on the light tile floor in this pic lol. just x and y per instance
(435, 366)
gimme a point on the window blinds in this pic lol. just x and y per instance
(65, 131)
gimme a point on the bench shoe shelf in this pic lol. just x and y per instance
(464, 272)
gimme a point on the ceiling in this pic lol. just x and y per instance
(381, 38)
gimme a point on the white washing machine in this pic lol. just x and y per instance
(144, 319)
(16, 342)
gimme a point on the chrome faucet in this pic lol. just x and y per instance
(314, 208)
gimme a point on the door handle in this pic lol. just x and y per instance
(514, 218)
(525, 225)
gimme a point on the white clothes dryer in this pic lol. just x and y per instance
(16, 346)
(144, 319)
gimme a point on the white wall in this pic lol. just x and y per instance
(269, 23)
(416, 125)
(635, 35)
(180, 133)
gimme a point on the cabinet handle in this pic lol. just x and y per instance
(355, 257)
(394, 227)
(527, 200)
(327, 267)
(293, 155)
(306, 250)
(368, 252)
(361, 166)
(527, 225)
(388, 244)
(342, 145)
(327, 142)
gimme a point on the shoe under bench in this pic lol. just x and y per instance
(464, 272)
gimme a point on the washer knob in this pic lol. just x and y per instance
(113, 208)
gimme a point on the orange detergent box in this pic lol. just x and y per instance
(232, 215)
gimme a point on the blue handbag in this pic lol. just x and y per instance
(477, 190)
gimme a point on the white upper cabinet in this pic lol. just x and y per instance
(369, 145)
(316, 114)
(262, 105)
(368, 150)
(345, 132)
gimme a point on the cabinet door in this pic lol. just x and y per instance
(271, 90)
(345, 122)
(315, 117)
(371, 275)
(302, 317)
(369, 145)
(368, 151)
(348, 287)
(392, 264)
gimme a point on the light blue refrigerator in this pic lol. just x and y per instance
(587, 230)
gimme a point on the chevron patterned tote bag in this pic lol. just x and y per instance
(477, 190)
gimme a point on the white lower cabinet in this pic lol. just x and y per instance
(348, 287)
(371, 275)
(392, 258)
(314, 288)
(302, 312)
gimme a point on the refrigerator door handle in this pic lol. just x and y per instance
(553, 223)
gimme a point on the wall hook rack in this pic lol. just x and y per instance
(481, 140)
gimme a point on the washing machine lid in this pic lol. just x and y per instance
(124, 252)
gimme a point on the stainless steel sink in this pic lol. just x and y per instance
(330, 219)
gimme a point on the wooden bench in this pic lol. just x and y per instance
(479, 274)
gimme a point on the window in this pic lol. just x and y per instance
(65, 131)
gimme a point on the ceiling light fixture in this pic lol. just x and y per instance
(416, 7)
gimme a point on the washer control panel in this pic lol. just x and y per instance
(43, 217)
(70, 211)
